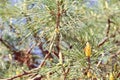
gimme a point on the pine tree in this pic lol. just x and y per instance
(46, 38)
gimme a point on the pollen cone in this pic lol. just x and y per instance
(87, 49)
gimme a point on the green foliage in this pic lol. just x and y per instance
(80, 22)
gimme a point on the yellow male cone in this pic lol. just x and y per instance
(57, 30)
(89, 74)
(111, 77)
(87, 49)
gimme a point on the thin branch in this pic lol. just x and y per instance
(103, 41)
(30, 49)
(107, 33)
(20, 75)
(108, 27)
(89, 62)
(31, 71)
(116, 54)
(66, 73)
(58, 15)
(42, 64)
(10, 47)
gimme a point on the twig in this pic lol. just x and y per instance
(18, 76)
(42, 64)
(58, 15)
(103, 41)
(7, 45)
(31, 71)
(66, 73)
(107, 33)
(116, 54)
(108, 28)
(88, 59)
(30, 49)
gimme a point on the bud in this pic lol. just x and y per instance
(17, 72)
(60, 58)
(111, 77)
(24, 6)
(94, 77)
(11, 21)
(87, 49)
(106, 4)
(57, 30)
(89, 74)
(10, 56)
